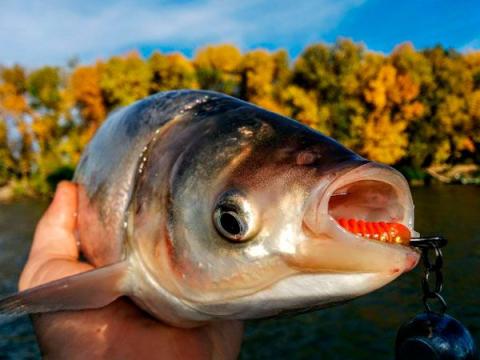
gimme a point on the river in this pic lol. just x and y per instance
(362, 329)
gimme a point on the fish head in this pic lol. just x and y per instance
(240, 206)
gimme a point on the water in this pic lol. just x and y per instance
(362, 329)
(17, 222)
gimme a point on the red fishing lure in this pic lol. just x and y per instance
(384, 231)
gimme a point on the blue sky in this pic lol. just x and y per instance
(37, 32)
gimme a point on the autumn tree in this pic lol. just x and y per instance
(217, 68)
(302, 106)
(44, 89)
(170, 72)
(420, 129)
(454, 84)
(86, 95)
(124, 79)
(392, 96)
(258, 71)
(14, 112)
(7, 161)
(333, 76)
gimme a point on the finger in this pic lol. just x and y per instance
(55, 232)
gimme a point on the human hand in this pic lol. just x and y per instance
(120, 330)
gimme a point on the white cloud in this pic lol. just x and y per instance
(36, 32)
(473, 45)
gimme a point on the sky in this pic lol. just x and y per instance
(39, 32)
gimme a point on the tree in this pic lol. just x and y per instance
(14, 110)
(124, 79)
(44, 88)
(170, 72)
(454, 84)
(218, 68)
(84, 89)
(7, 161)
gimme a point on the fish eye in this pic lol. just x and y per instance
(229, 224)
(233, 217)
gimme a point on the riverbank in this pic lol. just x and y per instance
(465, 174)
(6, 194)
(16, 190)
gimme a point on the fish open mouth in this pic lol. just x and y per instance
(360, 222)
(370, 209)
(371, 202)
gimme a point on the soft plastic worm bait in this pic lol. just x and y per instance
(384, 231)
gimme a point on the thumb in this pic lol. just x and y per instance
(55, 232)
(54, 253)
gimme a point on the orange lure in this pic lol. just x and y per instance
(388, 232)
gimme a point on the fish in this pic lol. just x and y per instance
(200, 207)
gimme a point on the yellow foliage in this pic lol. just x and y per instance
(11, 102)
(376, 93)
(411, 111)
(225, 57)
(452, 113)
(474, 105)
(84, 86)
(258, 68)
(124, 79)
(443, 152)
(390, 86)
(404, 89)
(302, 106)
(466, 144)
(385, 140)
(170, 72)
(7, 162)
(472, 58)
(217, 68)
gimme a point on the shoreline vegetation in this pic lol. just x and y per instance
(417, 110)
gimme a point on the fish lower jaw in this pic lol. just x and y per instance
(300, 292)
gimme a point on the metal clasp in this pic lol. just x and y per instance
(432, 281)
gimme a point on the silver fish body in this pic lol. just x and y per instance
(204, 207)
(155, 172)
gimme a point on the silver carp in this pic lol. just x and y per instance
(202, 207)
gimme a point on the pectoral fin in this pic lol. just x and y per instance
(88, 290)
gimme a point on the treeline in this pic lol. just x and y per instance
(413, 109)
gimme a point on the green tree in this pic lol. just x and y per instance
(124, 79)
(44, 88)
